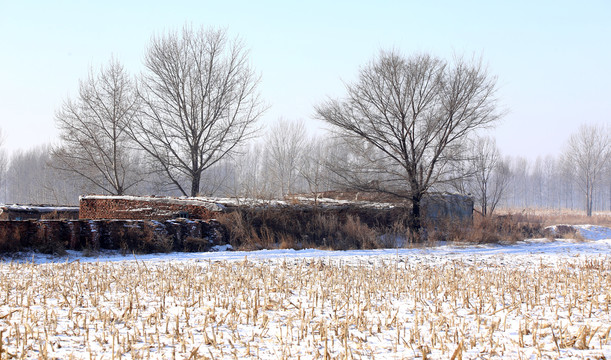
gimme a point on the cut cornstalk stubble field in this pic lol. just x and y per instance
(369, 307)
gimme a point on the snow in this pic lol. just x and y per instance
(401, 321)
(295, 201)
(34, 208)
(594, 232)
(588, 232)
(597, 241)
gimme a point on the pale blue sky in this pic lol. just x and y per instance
(552, 58)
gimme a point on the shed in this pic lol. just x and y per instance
(437, 206)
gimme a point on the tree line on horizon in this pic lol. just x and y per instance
(188, 125)
(545, 183)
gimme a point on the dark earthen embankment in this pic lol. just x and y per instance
(142, 236)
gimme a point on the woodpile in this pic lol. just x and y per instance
(145, 208)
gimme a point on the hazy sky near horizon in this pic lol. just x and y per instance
(552, 58)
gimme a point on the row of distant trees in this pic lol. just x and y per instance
(578, 178)
(188, 126)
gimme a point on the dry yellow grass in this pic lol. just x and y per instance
(548, 217)
(306, 309)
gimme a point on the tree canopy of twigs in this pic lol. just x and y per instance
(286, 145)
(95, 142)
(200, 101)
(407, 118)
(587, 156)
(489, 175)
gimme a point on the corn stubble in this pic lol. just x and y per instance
(389, 307)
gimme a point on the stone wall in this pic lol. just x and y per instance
(145, 208)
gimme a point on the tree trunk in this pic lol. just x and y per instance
(589, 196)
(484, 204)
(415, 218)
(195, 180)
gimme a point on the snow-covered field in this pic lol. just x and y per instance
(535, 299)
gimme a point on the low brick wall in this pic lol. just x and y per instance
(141, 236)
(145, 208)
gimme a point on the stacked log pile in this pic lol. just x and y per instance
(145, 208)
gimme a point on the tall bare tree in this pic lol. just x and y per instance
(95, 142)
(410, 117)
(587, 154)
(285, 144)
(200, 101)
(31, 180)
(608, 177)
(490, 176)
(250, 179)
(3, 168)
(314, 167)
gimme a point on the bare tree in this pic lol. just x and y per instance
(520, 169)
(587, 154)
(249, 178)
(200, 101)
(285, 144)
(95, 142)
(410, 117)
(3, 168)
(218, 178)
(31, 180)
(314, 168)
(608, 177)
(490, 175)
(550, 181)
